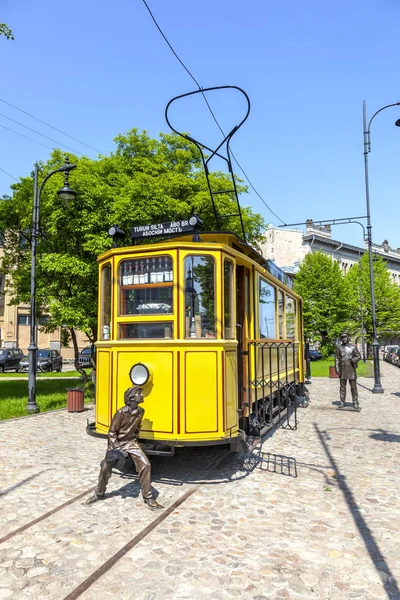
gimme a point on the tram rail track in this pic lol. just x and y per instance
(108, 564)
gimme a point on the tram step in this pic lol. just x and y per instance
(158, 450)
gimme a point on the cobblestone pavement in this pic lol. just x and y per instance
(311, 514)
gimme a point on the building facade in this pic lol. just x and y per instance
(288, 248)
(15, 326)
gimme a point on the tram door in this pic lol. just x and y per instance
(242, 332)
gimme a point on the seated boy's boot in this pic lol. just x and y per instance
(342, 404)
(152, 504)
(356, 405)
(94, 498)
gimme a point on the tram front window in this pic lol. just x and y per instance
(161, 330)
(146, 286)
(199, 297)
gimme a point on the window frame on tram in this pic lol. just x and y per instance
(195, 325)
(263, 280)
(106, 302)
(228, 297)
(139, 324)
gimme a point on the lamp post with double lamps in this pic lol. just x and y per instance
(66, 194)
(377, 389)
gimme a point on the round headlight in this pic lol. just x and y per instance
(139, 374)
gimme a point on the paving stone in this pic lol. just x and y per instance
(310, 514)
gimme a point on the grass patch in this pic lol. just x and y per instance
(320, 368)
(72, 374)
(50, 395)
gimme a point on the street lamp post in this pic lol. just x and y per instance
(66, 194)
(377, 389)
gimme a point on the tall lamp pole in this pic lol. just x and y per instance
(65, 194)
(377, 389)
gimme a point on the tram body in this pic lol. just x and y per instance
(214, 339)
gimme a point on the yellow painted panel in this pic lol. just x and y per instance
(231, 389)
(103, 388)
(158, 393)
(201, 391)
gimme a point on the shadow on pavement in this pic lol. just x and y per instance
(20, 483)
(385, 436)
(388, 580)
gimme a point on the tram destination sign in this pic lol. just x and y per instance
(157, 229)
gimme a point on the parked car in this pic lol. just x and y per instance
(396, 358)
(84, 356)
(389, 353)
(47, 360)
(9, 359)
(315, 355)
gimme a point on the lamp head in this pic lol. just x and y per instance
(397, 123)
(66, 193)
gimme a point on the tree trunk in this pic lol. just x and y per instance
(76, 353)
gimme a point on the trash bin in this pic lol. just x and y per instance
(75, 401)
(332, 373)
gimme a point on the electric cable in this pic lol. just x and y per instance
(51, 126)
(26, 137)
(209, 108)
(42, 134)
(12, 176)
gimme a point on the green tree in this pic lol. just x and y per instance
(387, 300)
(323, 288)
(6, 31)
(145, 180)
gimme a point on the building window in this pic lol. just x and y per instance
(24, 320)
(267, 310)
(229, 332)
(199, 297)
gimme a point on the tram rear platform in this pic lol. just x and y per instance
(312, 513)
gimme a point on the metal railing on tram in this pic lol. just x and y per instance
(273, 374)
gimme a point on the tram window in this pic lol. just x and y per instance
(228, 300)
(199, 297)
(146, 286)
(146, 271)
(146, 301)
(267, 310)
(105, 313)
(161, 330)
(290, 318)
(281, 305)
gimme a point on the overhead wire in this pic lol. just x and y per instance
(9, 174)
(51, 126)
(209, 108)
(42, 134)
(26, 137)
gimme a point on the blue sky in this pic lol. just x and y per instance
(95, 68)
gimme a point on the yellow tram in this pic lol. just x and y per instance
(211, 332)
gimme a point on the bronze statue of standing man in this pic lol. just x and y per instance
(122, 443)
(346, 362)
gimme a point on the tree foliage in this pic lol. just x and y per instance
(6, 31)
(387, 300)
(145, 180)
(324, 290)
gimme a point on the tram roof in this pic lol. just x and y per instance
(227, 238)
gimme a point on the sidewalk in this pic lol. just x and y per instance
(312, 514)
